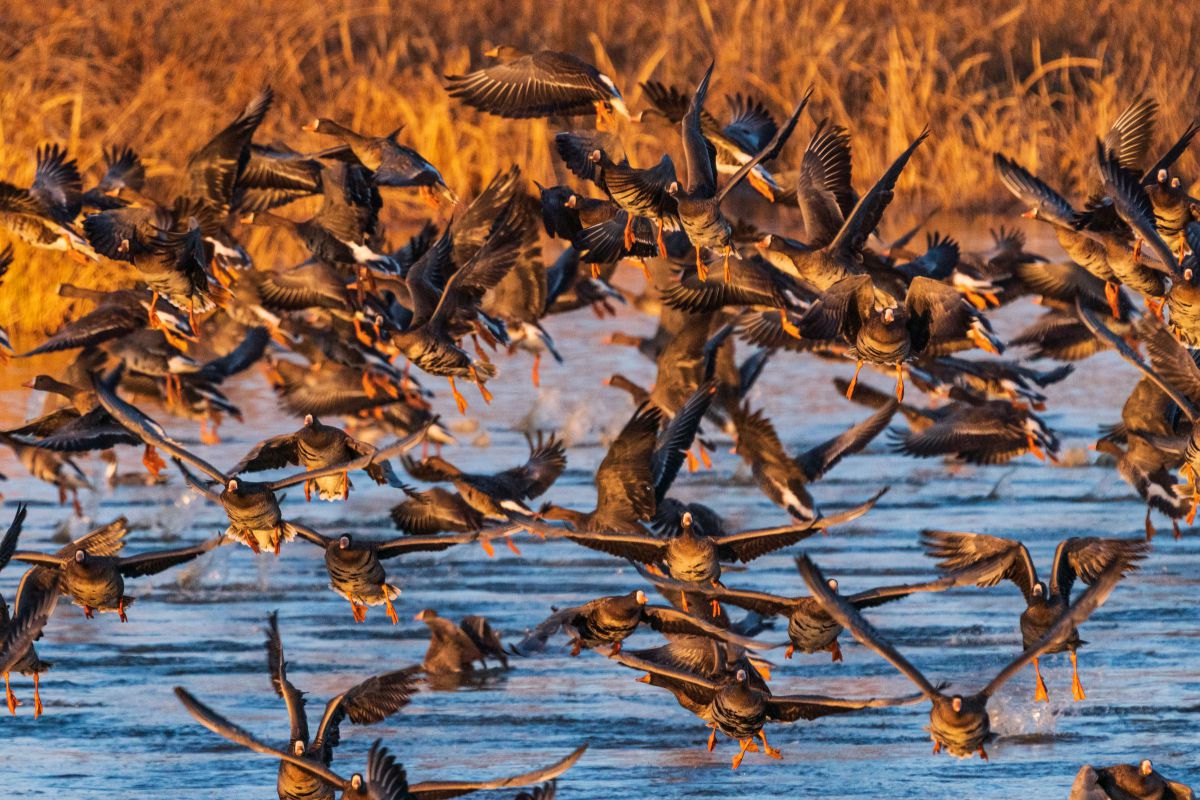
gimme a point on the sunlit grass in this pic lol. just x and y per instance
(1038, 80)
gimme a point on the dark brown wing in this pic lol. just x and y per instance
(215, 169)
(37, 595)
(293, 698)
(9, 544)
(537, 85)
(443, 790)
(1134, 207)
(547, 460)
(1009, 559)
(701, 169)
(847, 615)
(789, 708)
(671, 620)
(698, 655)
(868, 212)
(823, 188)
(745, 546)
(642, 548)
(150, 431)
(693, 691)
(57, 185)
(535, 640)
(484, 637)
(273, 453)
(624, 480)
(1086, 557)
(155, 562)
(371, 701)
(1170, 359)
(1129, 137)
(107, 540)
(822, 458)
(840, 309)
(223, 727)
(427, 544)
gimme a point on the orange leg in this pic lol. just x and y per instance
(747, 745)
(459, 400)
(835, 650)
(692, 464)
(701, 267)
(715, 605)
(37, 695)
(712, 738)
(387, 603)
(346, 485)
(662, 247)
(577, 647)
(483, 390)
(900, 382)
(854, 381)
(308, 490)
(1112, 293)
(704, 459)
(1039, 694)
(790, 651)
(87, 612)
(121, 610)
(486, 544)
(788, 328)
(13, 702)
(728, 250)
(937, 747)
(1033, 447)
(508, 540)
(983, 753)
(534, 376)
(772, 752)
(1155, 304)
(616, 648)
(628, 241)
(152, 461)
(1076, 686)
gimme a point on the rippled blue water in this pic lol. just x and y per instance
(113, 729)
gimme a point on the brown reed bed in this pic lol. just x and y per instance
(1038, 80)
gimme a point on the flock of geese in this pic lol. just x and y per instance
(360, 330)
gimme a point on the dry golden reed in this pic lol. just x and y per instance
(1037, 80)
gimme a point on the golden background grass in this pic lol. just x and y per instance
(1036, 80)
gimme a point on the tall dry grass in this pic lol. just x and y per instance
(1036, 79)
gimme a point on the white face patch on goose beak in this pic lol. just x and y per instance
(571, 201)
(673, 188)
(956, 704)
(298, 747)
(356, 782)
(833, 584)
(1187, 274)
(640, 597)
(889, 315)
(344, 542)
(741, 675)
(1145, 767)
(308, 420)
(232, 486)
(686, 519)
(80, 556)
